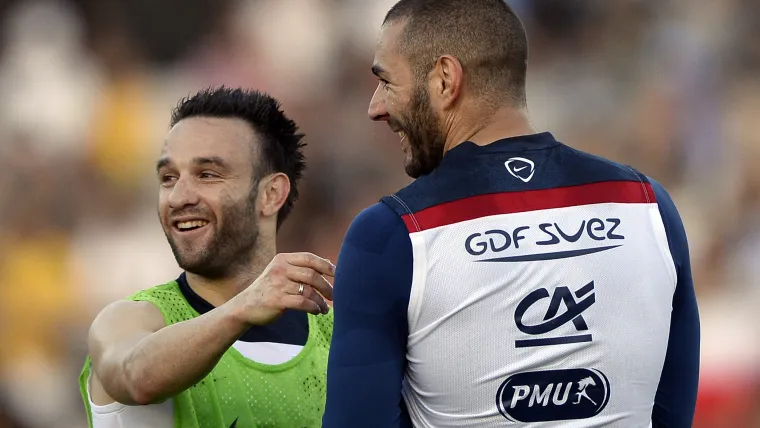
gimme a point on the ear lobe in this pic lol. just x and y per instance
(273, 192)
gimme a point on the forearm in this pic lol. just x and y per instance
(176, 357)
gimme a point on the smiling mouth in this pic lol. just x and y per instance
(190, 225)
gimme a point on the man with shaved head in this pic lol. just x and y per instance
(516, 281)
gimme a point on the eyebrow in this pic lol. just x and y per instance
(212, 160)
(163, 162)
(378, 71)
(198, 161)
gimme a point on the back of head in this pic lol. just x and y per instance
(486, 36)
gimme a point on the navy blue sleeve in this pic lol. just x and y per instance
(676, 396)
(368, 350)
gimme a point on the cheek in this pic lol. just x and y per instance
(394, 102)
(225, 202)
(401, 105)
(163, 204)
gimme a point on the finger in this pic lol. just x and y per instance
(309, 260)
(315, 297)
(301, 303)
(294, 289)
(310, 277)
(309, 293)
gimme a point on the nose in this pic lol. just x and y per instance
(183, 194)
(377, 110)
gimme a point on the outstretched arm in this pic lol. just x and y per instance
(139, 360)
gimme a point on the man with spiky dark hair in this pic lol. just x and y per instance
(241, 337)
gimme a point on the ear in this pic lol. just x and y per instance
(447, 80)
(273, 192)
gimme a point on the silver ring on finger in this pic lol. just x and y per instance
(300, 289)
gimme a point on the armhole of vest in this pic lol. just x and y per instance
(319, 329)
(645, 185)
(84, 376)
(147, 296)
(326, 325)
(419, 258)
(400, 207)
(661, 230)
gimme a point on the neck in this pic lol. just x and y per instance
(503, 123)
(219, 291)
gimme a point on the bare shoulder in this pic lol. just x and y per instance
(123, 319)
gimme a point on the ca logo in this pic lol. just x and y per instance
(551, 321)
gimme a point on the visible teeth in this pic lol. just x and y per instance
(402, 134)
(191, 224)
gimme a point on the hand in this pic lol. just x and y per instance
(277, 289)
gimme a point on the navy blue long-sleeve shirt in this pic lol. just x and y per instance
(372, 288)
(368, 351)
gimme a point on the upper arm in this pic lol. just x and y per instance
(676, 396)
(368, 349)
(115, 331)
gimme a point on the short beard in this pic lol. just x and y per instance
(232, 246)
(423, 129)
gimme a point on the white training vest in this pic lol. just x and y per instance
(544, 318)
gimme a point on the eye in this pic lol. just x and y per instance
(167, 179)
(208, 174)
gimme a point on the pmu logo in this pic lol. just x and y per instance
(553, 395)
(521, 168)
(553, 319)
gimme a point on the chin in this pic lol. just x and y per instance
(415, 170)
(190, 264)
(204, 270)
(412, 167)
(190, 259)
(412, 172)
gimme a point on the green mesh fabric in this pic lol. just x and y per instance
(288, 395)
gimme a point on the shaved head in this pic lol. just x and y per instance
(486, 36)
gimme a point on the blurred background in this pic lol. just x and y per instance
(670, 87)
